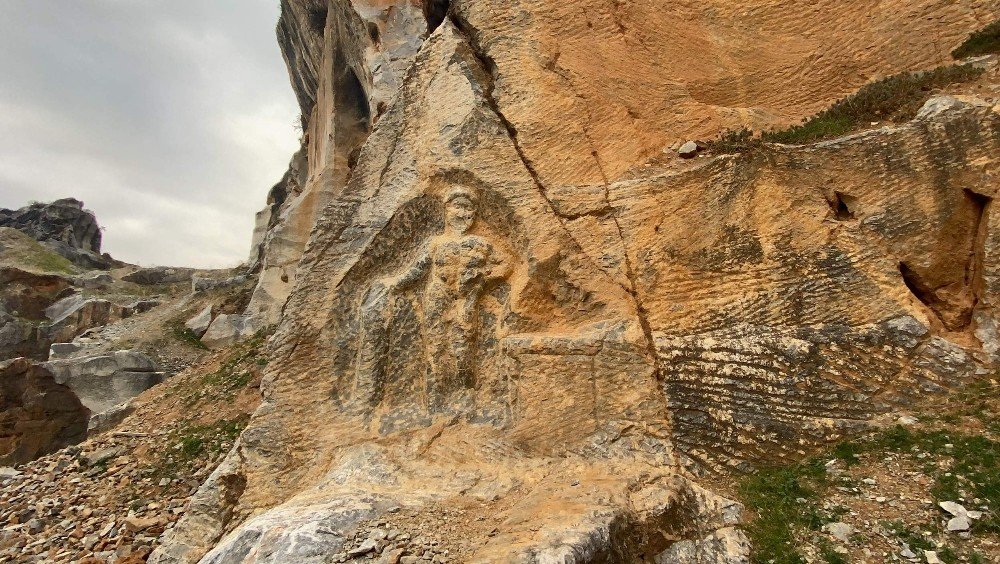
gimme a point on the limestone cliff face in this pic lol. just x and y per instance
(487, 303)
(346, 61)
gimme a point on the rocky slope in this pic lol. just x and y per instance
(494, 307)
(76, 345)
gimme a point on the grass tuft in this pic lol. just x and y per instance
(784, 498)
(896, 98)
(185, 335)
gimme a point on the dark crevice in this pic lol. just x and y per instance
(918, 287)
(954, 316)
(317, 17)
(435, 12)
(490, 66)
(352, 118)
(843, 206)
(600, 213)
(974, 269)
(374, 34)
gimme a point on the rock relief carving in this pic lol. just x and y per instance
(451, 275)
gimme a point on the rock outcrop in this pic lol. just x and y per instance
(37, 415)
(24, 297)
(493, 304)
(156, 275)
(75, 314)
(105, 381)
(65, 226)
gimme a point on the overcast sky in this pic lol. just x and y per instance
(170, 119)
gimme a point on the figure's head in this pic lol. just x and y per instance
(460, 209)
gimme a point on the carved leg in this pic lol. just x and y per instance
(373, 347)
(463, 347)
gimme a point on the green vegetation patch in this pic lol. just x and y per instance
(897, 98)
(784, 499)
(193, 443)
(238, 369)
(185, 335)
(962, 463)
(20, 250)
(244, 362)
(983, 42)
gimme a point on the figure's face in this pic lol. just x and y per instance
(460, 215)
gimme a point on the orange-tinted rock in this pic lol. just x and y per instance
(37, 415)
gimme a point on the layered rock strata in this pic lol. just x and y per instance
(497, 311)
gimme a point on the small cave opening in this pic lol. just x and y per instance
(980, 208)
(435, 11)
(954, 314)
(374, 33)
(352, 120)
(843, 206)
(317, 17)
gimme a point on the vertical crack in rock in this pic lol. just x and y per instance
(353, 119)
(317, 17)
(980, 231)
(953, 302)
(490, 67)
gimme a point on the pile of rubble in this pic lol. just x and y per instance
(105, 501)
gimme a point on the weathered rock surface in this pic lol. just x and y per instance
(103, 382)
(24, 297)
(65, 226)
(37, 414)
(200, 323)
(64, 221)
(155, 275)
(487, 306)
(75, 314)
(28, 294)
(226, 329)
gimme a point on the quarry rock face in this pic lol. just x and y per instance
(24, 297)
(486, 303)
(102, 382)
(37, 415)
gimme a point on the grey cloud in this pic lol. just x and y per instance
(170, 119)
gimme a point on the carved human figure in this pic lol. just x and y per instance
(458, 267)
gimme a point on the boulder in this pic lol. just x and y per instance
(94, 281)
(37, 414)
(21, 338)
(725, 546)
(688, 150)
(28, 294)
(226, 329)
(200, 323)
(109, 418)
(61, 351)
(157, 275)
(102, 382)
(206, 283)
